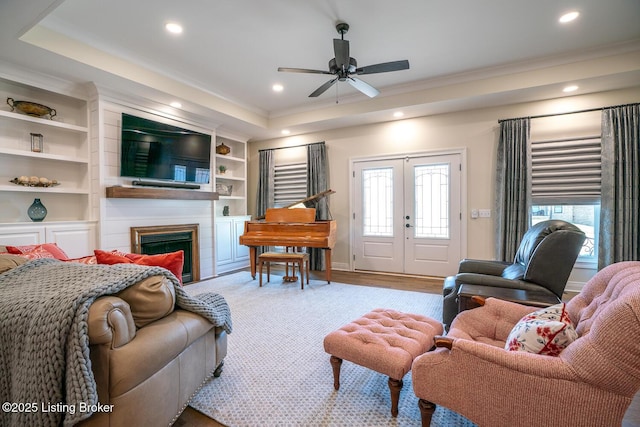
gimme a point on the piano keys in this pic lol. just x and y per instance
(290, 227)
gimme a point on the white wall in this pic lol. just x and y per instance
(475, 130)
(118, 215)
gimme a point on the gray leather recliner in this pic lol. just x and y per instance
(544, 260)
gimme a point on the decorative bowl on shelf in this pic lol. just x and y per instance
(223, 189)
(34, 181)
(31, 108)
(223, 149)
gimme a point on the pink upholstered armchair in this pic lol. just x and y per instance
(591, 382)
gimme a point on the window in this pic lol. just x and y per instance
(565, 181)
(585, 216)
(432, 201)
(377, 202)
(290, 183)
(202, 175)
(179, 173)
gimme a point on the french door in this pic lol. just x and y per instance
(407, 215)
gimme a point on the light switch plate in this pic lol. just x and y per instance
(485, 213)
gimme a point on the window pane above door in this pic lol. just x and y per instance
(377, 202)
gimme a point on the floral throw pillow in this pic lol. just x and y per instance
(39, 251)
(90, 260)
(546, 331)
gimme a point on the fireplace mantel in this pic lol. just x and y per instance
(118, 192)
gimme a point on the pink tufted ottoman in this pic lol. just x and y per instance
(385, 341)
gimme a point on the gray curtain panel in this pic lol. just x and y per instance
(513, 185)
(317, 181)
(620, 200)
(265, 196)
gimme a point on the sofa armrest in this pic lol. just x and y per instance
(481, 266)
(499, 282)
(110, 322)
(490, 323)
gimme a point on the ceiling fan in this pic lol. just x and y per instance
(344, 67)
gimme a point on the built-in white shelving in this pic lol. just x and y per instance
(65, 155)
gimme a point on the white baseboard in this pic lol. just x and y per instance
(340, 266)
(574, 287)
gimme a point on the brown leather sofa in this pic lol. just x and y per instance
(148, 358)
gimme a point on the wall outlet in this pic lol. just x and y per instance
(485, 213)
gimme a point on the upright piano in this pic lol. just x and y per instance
(291, 227)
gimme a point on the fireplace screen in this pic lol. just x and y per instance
(155, 240)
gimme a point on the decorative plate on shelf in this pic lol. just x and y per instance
(31, 108)
(34, 181)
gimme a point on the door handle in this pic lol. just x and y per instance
(408, 225)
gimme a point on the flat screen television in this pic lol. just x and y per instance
(158, 151)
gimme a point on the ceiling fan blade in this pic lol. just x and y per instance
(341, 50)
(384, 67)
(323, 88)
(302, 70)
(363, 87)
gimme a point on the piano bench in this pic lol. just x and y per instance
(302, 259)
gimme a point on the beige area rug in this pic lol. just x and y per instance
(276, 372)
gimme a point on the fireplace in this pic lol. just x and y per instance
(159, 239)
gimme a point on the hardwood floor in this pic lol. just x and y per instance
(192, 418)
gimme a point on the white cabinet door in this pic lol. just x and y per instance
(21, 235)
(77, 240)
(241, 251)
(224, 241)
(230, 254)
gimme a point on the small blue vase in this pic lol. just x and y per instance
(37, 211)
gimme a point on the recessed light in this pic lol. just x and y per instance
(176, 104)
(571, 88)
(398, 114)
(286, 131)
(173, 27)
(277, 87)
(568, 17)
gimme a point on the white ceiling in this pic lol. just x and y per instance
(462, 53)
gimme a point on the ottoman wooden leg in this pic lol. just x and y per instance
(335, 364)
(426, 411)
(394, 387)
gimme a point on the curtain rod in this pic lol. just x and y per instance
(589, 110)
(292, 146)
